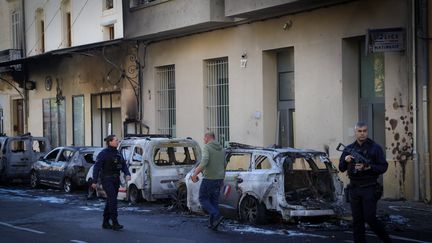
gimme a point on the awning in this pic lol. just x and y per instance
(63, 51)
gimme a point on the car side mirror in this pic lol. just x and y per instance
(41, 158)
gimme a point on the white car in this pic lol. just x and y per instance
(156, 165)
(290, 182)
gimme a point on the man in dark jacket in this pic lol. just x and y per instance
(213, 167)
(110, 162)
(364, 190)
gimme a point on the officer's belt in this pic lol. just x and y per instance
(362, 184)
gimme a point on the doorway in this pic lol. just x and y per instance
(286, 97)
(105, 116)
(18, 116)
(371, 97)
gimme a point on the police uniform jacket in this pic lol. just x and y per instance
(109, 163)
(378, 164)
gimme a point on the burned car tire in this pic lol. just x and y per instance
(134, 194)
(181, 199)
(252, 211)
(67, 185)
(34, 180)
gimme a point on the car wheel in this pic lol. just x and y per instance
(181, 199)
(34, 180)
(134, 194)
(67, 185)
(252, 211)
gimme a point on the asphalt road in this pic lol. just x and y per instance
(46, 215)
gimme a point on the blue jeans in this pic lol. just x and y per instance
(209, 197)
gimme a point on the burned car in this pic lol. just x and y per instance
(156, 164)
(18, 153)
(64, 167)
(290, 182)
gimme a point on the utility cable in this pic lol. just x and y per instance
(19, 92)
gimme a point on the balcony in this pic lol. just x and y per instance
(152, 19)
(10, 55)
(254, 9)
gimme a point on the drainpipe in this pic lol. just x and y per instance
(24, 68)
(414, 101)
(425, 79)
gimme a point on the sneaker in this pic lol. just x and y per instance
(217, 222)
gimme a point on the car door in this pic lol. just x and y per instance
(44, 165)
(19, 150)
(237, 168)
(59, 166)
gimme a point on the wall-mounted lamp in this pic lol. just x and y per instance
(287, 25)
(30, 85)
(243, 60)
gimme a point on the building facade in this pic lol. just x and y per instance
(287, 73)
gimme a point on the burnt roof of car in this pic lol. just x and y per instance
(273, 148)
(81, 147)
(132, 136)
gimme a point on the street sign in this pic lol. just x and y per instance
(385, 40)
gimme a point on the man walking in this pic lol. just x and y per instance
(364, 191)
(110, 162)
(213, 167)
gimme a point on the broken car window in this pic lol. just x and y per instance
(137, 155)
(52, 156)
(18, 146)
(174, 156)
(262, 163)
(239, 162)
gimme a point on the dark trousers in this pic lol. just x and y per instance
(363, 206)
(111, 185)
(209, 197)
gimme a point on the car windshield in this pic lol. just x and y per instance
(174, 155)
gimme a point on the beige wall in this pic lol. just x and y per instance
(325, 113)
(5, 39)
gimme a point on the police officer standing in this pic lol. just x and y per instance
(364, 191)
(110, 162)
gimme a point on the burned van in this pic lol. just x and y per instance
(18, 153)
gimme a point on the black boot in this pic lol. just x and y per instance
(116, 225)
(106, 224)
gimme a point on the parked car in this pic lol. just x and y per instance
(64, 167)
(156, 165)
(290, 182)
(18, 153)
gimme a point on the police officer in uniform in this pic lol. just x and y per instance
(110, 162)
(364, 191)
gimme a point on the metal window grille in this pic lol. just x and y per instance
(218, 98)
(165, 100)
(15, 22)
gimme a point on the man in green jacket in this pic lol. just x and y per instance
(213, 167)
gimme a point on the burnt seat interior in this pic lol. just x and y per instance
(307, 184)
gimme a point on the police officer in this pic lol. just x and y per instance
(110, 162)
(364, 191)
